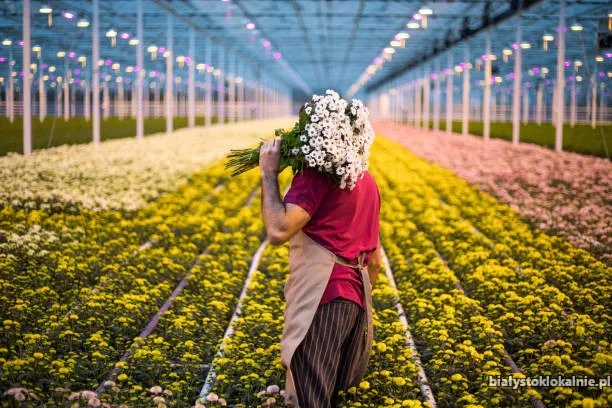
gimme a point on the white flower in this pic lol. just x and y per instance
(273, 389)
(339, 142)
(308, 110)
(303, 138)
(295, 151)
(156, 389)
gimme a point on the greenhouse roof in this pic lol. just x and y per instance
(310, 45)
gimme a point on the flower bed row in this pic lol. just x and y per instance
(562, 193)
(250, 373)
(577, 275)
(47, 259)
(41, 290)
(79, 348)
(540, 327)
(175, 357)
(122, 174)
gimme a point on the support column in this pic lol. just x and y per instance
(525, 105)
(73, 99)
(95, 71)
(602, 103)
(86, 100)
(436, 116)
(486, 113)
(141, 72)
(191, 96)
(465, 114)
(58, 98)
(449, 95)
(231, 94)
(169, 98)
(573, 104)
(560, 77)
(208, 86)
(539, 97)
(42, 95)
(67, 77)
(221, 87)
(516, 95)
(594, 98)
(27, 79)
(10, 100)
(426, 89)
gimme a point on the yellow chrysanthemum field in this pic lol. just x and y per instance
(137, 274)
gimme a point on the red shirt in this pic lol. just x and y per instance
(346, 222)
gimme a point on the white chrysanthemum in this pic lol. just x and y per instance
(338, 138)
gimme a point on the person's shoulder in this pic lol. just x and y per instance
(311, 174)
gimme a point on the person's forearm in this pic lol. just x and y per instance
(272, 207)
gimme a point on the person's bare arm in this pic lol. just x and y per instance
(374, 264)
(281, 221)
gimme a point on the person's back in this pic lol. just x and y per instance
(346, 222)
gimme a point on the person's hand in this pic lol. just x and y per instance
(269, 156)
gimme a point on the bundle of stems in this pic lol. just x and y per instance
(243, 160)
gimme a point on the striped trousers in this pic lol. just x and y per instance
(322, 363)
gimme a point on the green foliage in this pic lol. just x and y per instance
(579, 139)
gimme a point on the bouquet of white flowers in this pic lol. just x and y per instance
(332, 136)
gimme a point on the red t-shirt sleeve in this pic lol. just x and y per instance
(308, 190)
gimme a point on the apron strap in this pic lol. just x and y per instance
(360, 261)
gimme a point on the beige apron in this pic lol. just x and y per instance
(310, 267)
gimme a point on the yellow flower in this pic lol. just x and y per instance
(399, 381)
(122, 377)
(456, 377)
(365, 385)
(382, 347)
(38, 355)
(588, 403)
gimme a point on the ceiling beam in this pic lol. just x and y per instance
(470, 33)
